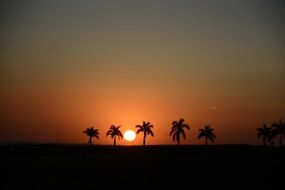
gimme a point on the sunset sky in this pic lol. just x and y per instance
(67, 65)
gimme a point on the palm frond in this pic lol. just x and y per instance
(183, 133)
(185, 126)
(175, 127)
(120, 135)
(174, 136)
(172, 131)
(177, 136)
(109, 133)
(201, 135)
(259, 134)
(150, 132)
(96, 136)
(174, 123)
(181, 121)
(208, 126)
(139, 126)
(140, 130)
(211, 138)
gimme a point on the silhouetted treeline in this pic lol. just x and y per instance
(266, 132)
(269, 133)
(177, 130)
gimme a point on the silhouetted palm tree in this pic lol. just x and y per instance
(178, 129)
(114, 132)
(279, 128)
(91, 132)
(265, 132)
(208, 133)
(146, 129)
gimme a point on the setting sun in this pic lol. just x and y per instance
(129, 135)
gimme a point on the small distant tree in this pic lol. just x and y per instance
(146, 129)
(178, 129)
(266, 133)
(208, 133)
(114, 132)
(91, 132)
(278, 128)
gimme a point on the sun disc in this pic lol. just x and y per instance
(129, 135)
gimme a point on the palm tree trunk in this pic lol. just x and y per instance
(90, 140)
(144, 136)
(115, 141)
(178, 139)
(206, 141)
(264, 140)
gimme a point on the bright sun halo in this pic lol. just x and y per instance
(129, 135)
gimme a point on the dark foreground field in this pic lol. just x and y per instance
(164, 167)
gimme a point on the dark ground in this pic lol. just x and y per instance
(49, 166)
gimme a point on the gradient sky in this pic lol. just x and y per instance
(67, 65)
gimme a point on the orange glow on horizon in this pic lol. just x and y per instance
(63, 73)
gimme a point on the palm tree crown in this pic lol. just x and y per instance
(114, 132)
(279, 128)
(208, 133)
(265, 132)
(146, 129)
(91, 132)
(178, 129)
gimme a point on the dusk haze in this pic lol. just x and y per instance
(69, 65)
(142, 94)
